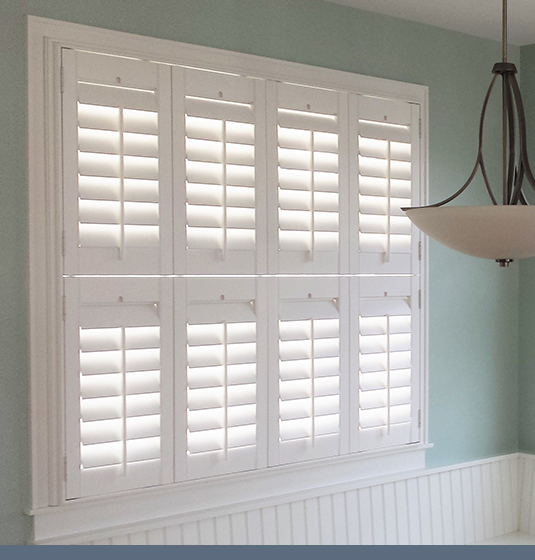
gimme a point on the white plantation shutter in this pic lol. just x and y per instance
(386, 385)
(119, 384)
(387, 174)
(223, 389)
(308, 179)
(221, 211)
(117, 165)
(309, 346)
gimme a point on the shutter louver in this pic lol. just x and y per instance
(223, 118)
(388, 364)
(117, 191)
(225, 378)
(387, 181)
(121, 424)
(312, 364)
(310, 179)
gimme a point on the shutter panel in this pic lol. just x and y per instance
(223, 387)
(223, 207)
(388, 364)
(310, 347)
(117, 170)
(388, 179)
(119, 384)
(309, 227)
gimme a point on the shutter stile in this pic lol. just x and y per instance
(122, 415)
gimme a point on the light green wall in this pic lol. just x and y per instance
(473, 304)
(527, 279)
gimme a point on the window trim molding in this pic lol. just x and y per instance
(46, 38)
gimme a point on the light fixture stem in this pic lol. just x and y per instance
(504, 31)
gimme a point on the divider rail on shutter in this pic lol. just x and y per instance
(119, 384)
(117, 165)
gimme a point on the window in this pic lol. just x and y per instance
(241, 290)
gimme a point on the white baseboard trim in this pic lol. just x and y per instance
(459, 504)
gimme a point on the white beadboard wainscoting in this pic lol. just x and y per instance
(459, 504)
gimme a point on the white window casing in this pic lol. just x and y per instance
(240, 289)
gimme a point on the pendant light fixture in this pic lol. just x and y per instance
(505, 231)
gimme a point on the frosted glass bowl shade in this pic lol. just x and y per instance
(488, 232)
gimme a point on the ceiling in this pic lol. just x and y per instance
(481, 18)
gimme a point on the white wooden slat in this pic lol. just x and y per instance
(122, 540)
(269, 526)
(190, 533)
(340, 520)
(517, 467)
(436, 509)
(238, 522)
(353, 517)
(447, 508)
(102, 542)
(366, 520)
(284, 524)
(254, 527)
(378, 515)
(526, 491)
(299, 526)
(313, 521)
(413, 512)
(402, 512)
(207, 534)
(139, 538)
(497, 498)
(468, 505)
(326, 520)
(457, 505)
(157, 537)
(488, 506)
(173, 535)
(425, 510)
(530, 497)
(223, 530)
(391, 525)
(477, 493)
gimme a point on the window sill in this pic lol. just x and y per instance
(225, 494)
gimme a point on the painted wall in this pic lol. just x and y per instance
(473, 304)
(526, 424)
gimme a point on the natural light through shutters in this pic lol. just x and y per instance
(118, 167)
(220, 174)
(120, 390)
(384, 364)
(221, 376)
(384, 187)
(308, 175)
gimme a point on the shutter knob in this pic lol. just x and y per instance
(121, 299)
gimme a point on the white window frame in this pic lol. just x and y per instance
(46, 38)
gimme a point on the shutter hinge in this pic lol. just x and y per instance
(420, 418)
(65, 468)
(419, 299)
(61, 79)
(419, 250)
(64, 308)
